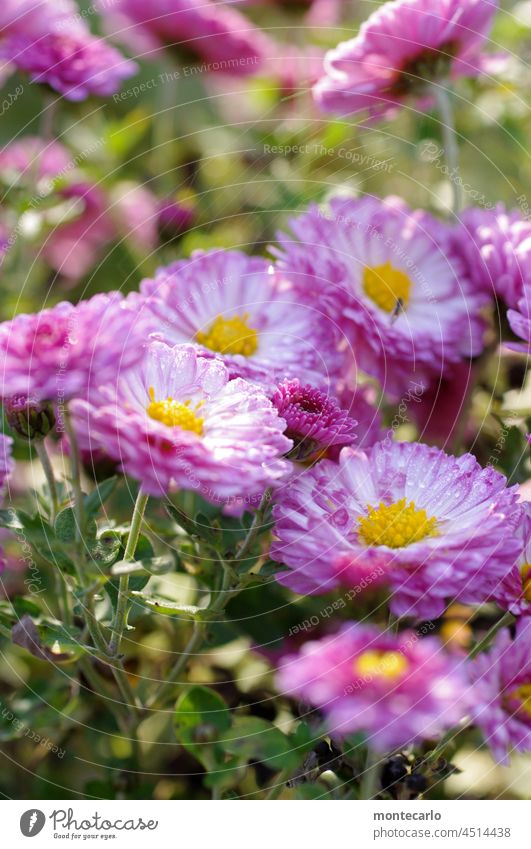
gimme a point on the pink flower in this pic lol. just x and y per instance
(431, 526)
(31, 158)
(71, 61)
(495, 246)
(402, 46)
(520, 321)
(384, 274)
(314, 420)
(396, 689)
(513, 591)
(6, 461)
(58, 353)
(501, 688)
(178, 421)
(204, 31)
(236, 308)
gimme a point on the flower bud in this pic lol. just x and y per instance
(29, 417)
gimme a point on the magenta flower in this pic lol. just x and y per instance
(396, 689)
(431, 526)
(361, 404)
(58, 353)
(31, 158)
(315, 422)
(501, 688)
(203, 30)
(495, 246)
(178, 421)
(383, 272)
(400, 48)
(513, 591)
(70, 60)
(234, 307)
(520, 321)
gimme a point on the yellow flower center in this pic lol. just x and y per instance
(525, 572)
(381, 664)
(174, 414)
(387, 286)
(396, 525)
(230, 336)
(522, 694)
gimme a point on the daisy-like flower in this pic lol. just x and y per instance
(235, 307)
(201, 30)
(397, 689)
(315, 422)
(54, 355)
(501, 688)
(513, 591)
(383, 272)
(431, 526)
(520, 321)
(400, 48)
(179, 421)
(495, 246)
(71, 60)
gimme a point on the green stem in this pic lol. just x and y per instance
(506, 619)
(75, 466)
(120, 619)
(194, 643)
(42, 453)
(369, 779)
(451, 149)
(256, 526)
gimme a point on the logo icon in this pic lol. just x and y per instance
(32, 822)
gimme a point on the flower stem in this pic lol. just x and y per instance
(369, 779)
(47, 468)
(75, 466)
(256, 526)
(451, 148)
(120, 619)
(506, 619)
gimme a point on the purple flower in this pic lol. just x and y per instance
(235, 307)
(31, 158)
(71, 60)
(501, 687)
(513, 591)
(202, 30)
(396, 689)
(315, 422)
(57, 353)
(520, 321)
(178, 421)
(495, 246)
(400, 48)
(383, 272)
(431, 526)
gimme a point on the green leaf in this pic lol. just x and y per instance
(201, 718)
(99, 496)
(66, 523)
(150, 565)
(252, 738)
(169, 608)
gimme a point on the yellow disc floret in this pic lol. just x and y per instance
(525, 572)
(230, 336)
(387, 286)
(174, 414)
(522, 694)
(381, 664)
(396, 525)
